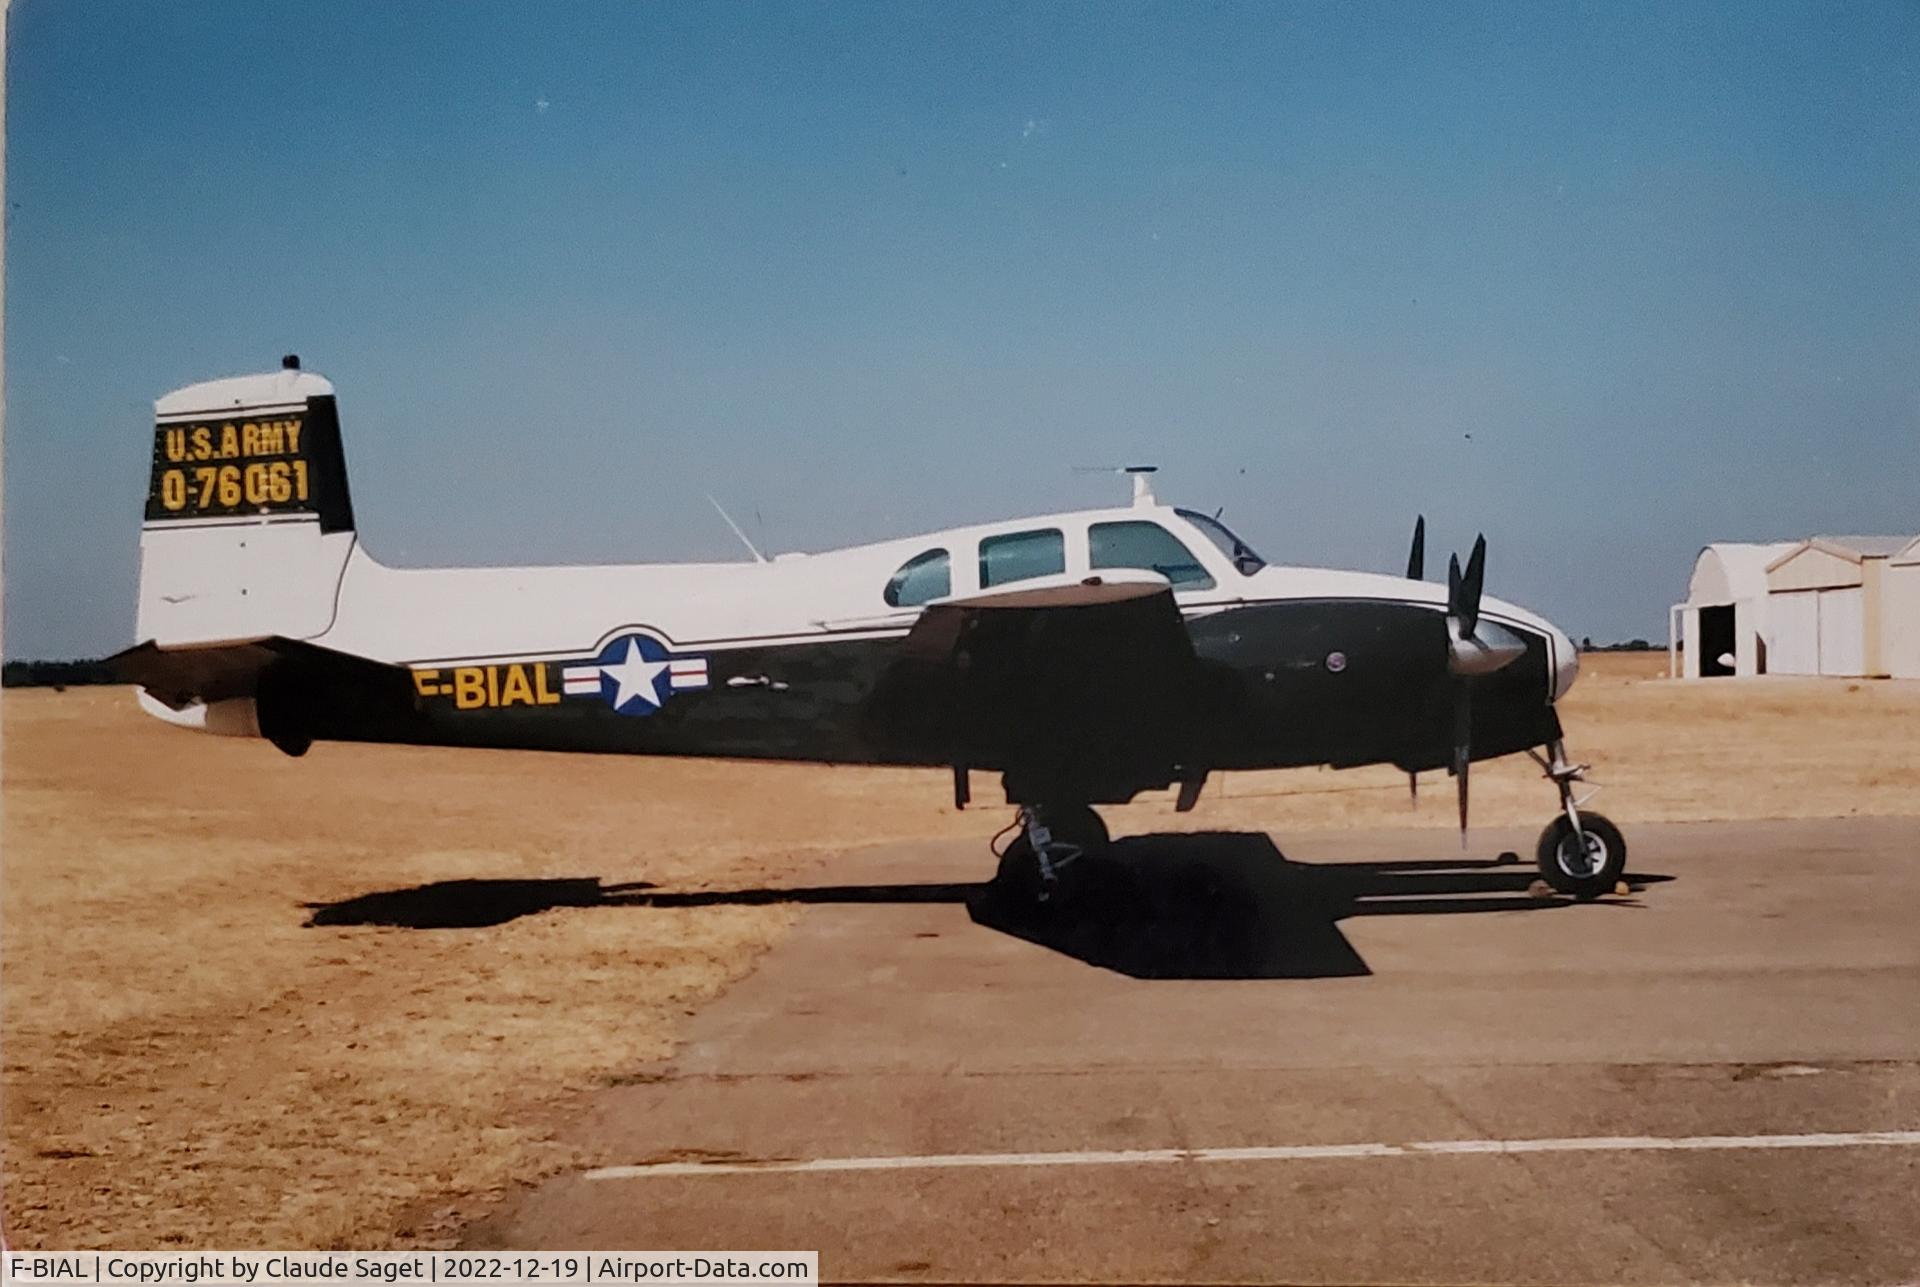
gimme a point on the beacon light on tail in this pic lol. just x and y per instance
(1085, 656)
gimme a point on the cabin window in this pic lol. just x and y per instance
(921, 579)
(1018, 556)
(1139, 544)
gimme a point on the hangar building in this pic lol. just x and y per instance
(1828, 605)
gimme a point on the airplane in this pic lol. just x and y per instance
(1086, 656)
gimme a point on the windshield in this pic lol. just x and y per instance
(1244, 559)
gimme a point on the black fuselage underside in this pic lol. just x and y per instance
(1270, 685)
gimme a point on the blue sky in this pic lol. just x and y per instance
(866, 269)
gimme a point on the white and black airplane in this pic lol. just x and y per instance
(1085, 656)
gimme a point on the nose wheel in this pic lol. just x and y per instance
(1585, 863)
(1580, 853)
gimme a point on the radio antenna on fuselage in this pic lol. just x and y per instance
(1142, 480)
(758, 557)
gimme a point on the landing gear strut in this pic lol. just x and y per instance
(1052, 837)
(1582, 854)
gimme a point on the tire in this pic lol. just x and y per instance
(1018, 877)
(1017, 882)
(1076, 824)
(1587, 876)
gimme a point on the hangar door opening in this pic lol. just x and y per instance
(1843, 635)
(1716, 641)
(1795, 620)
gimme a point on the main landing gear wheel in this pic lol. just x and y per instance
(1586, 864)
(1076, 824)
(1076, 834)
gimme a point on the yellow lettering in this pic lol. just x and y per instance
(469, 687)
(249, 439)
(202, 442)
(255, 481)
(544, 696)
(173, 489)
(176, 440)
(230, 485)
(273, 438)
(493, 685)
(293, 436)
(299, 480)
(229, 442)
(516, 689)
(427, 682)
(206, 476)
(279, 482)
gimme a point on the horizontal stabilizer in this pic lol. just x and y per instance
(292, 692)
(181, 677)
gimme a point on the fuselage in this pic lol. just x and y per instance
(780, 659)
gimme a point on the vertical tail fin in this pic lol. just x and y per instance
(248, 519)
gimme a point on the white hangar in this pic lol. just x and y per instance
(1828, 605)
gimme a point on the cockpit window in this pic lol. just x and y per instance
(1140, 544)
(1020, 555)
(921, 579)
(1245, 561)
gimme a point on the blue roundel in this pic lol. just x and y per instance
(635, 674)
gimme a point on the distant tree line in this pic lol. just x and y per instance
(1632, 645)
(56, 674)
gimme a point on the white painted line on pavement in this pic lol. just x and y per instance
(1274, 1153)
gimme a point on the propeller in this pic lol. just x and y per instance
(1470, 655)
(1417, 571)
(1474, 649)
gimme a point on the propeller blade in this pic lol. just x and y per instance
(1463, 598)
(1461, 780)
(1462, 747)
(1417, 557)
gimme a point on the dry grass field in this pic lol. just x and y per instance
(188, 1063)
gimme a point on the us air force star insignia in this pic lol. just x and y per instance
(634, 674)
(635, 679)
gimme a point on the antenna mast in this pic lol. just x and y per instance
(758, 557)
(1142, 483)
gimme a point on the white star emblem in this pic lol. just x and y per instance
(637, 677)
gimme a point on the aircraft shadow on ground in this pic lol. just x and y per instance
(1216, 905)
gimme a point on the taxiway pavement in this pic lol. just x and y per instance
(1370, 1059)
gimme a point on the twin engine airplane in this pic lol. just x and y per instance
(1086, 657)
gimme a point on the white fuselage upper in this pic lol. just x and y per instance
(415, 616)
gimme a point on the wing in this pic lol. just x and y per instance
(1077, 689)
